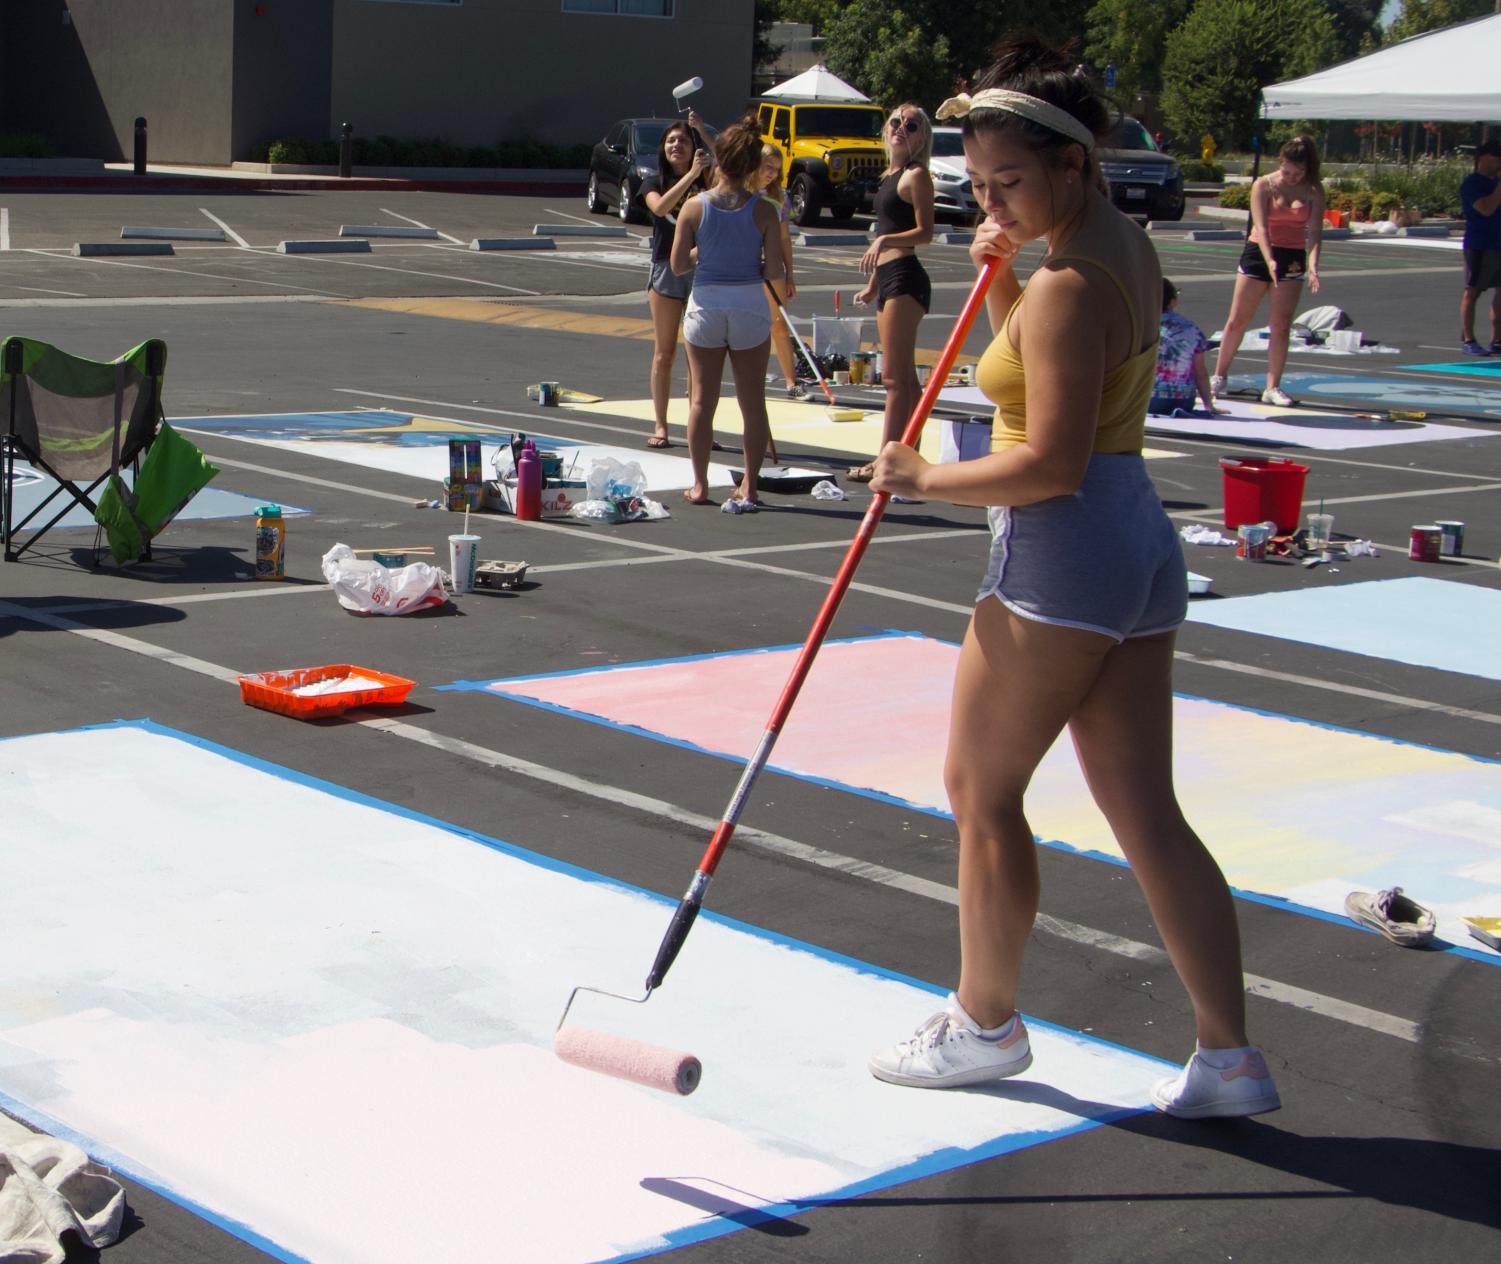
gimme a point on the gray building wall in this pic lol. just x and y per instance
(486, 70)
(80, 72)
(283, 60)
(214, 77)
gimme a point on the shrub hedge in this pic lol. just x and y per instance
(1431, 187)
(388, 151)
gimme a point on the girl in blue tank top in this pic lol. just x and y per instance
(733, 238)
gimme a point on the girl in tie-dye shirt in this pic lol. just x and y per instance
(1180, 361)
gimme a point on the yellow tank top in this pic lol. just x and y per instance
(1124, 395)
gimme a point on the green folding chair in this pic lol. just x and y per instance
(82, 422)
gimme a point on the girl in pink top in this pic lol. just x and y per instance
(1287, 226)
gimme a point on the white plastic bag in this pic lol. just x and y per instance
(609, 479)
(370, 588)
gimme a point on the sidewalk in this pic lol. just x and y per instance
(93, 176)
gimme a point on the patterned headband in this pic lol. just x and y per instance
(1024, 106)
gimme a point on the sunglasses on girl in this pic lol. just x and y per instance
(910, 126)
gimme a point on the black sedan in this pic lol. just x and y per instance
(620, 162)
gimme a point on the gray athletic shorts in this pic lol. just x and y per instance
(668, 283)
(1105, 559)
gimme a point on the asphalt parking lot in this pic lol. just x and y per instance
(1387, 1060)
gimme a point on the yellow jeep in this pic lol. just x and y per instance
(831, 154)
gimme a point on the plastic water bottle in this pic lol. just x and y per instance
(270, 543)
(529, 484)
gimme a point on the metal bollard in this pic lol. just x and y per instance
(140, 146)
(346, 149)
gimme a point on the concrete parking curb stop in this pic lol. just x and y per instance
(389, 230)
(513, 243)
(346, 246)
(86, 249)
(579, 230)
(178, 234)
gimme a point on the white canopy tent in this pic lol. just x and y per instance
(1445, 76)
(816, 84)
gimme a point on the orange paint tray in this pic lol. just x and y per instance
(275, 691)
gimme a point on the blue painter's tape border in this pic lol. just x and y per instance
(828, 783)
(929, 1165)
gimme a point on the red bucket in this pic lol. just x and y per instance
(1264, 489)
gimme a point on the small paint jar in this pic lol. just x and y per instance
(1453, 542)
(1425, 543)
(1251, 541)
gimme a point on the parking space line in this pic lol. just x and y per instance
(228, 231)
(379, 267)
(4, 228)
(212, 276)
(418, 223)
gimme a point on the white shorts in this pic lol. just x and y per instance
(733, 316)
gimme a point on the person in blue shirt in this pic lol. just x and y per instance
(1480, 195)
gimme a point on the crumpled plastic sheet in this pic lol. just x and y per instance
(826, 490)
(1194, 533)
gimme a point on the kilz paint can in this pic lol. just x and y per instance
(1426, 542)
(1453, 542)
(547, 394)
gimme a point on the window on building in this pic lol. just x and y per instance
(630, 8)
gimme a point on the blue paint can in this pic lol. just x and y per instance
(547, 394)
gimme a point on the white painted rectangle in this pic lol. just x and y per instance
(308, 1013)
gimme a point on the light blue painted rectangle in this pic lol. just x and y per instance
(1425, 622)
(31, 487)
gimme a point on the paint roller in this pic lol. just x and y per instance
(671, 1070)
(686, 89)
(834, 411)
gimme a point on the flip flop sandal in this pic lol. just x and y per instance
(659, 442)
(860, 473)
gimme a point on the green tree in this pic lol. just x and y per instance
(817, 13)
(1418, 16)
(880, 49)
(1226, 51)
(1357, 25)
(924, 47)
(1132, 36)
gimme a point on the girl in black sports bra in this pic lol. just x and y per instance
(898, 282)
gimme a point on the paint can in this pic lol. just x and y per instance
(1453, 542)
(1426, 543)
(547, 394)
(1251, 541)
(389, 560)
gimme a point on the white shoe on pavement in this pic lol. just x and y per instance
(1276, 395)
(1205, 1089)
(1216, 385)
(951, 1050)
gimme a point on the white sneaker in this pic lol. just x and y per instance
(1276, 395)
(1216, 385)
(1202, 1091)
(950, 1050)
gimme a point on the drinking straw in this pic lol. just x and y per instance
(466, 519)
